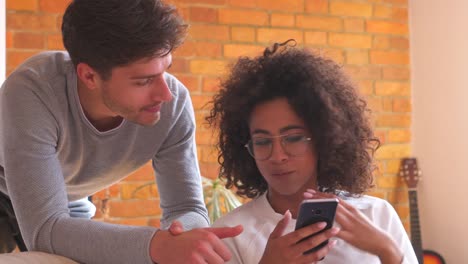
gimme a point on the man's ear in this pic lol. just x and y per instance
(88, 75)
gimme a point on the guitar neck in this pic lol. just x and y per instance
(416, 239)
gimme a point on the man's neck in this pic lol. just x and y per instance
(94, 109)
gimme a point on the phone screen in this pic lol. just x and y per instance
(316, 210)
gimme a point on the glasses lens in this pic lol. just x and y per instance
(295, 144)
(260, 148)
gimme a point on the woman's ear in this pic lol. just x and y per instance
(88, 75)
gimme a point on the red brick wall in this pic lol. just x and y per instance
(369, 37)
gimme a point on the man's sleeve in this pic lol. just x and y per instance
(177, 171)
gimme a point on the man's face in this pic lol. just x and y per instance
(137, 91)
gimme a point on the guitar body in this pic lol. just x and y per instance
(432, 257)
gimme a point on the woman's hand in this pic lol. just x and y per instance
(359, 231)
(282, 248)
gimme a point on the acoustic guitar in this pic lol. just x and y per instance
(411, 174)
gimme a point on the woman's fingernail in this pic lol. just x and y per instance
(308, 195)
(332, 243)
(311, 190)
(321, 225)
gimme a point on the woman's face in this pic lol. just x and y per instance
(283, 148)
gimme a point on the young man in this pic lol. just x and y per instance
(75, 122)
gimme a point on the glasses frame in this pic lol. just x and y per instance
(306, 139)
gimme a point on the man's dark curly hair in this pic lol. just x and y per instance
(320, 93)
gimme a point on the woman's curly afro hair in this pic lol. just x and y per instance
(320, 93)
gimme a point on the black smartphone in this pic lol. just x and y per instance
(312, 211)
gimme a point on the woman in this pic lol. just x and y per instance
(292, 126)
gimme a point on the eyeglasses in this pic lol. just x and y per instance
(261, 148)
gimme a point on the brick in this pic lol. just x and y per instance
(366, 87)
(354, 25)
(25, 21)
(390, 57)
(200, 116)
(385, 27)
(364, 72)
(392, 88)
(145, 190)
(243, 34)
(388, 182)
(381, 42)
(22, 5)
(134, 208)
(399, 136)
(201, 102)
(101, 195)
(316, 6)
(15, 58)
(237, 50)
(285, 6)
(357, 57)
(377, 193)
(206, 137)
(399, 43)
(209, 170)
(242, 3)
(26, 40)
(53, 6)
(208, 154)
(336, 55)
(209, 67)
(381, 135)
(397, 2)
(190, 81)
(350, 9)
(398, 197)
(349, 40)
(9, 40)
(375, 104)
(392, 166)
(394, 120)
(402, 211)
(402, 105)
(209, 32)
(144, 173)
(243, 17)
(203, 14)
(387, 104)
(320, 23)
(54, 42)
(282, 20)
(391, 12)
(271, 35)
(210, 85)
(396, 73)
(114, 191)
(199, 49)
(315, 37)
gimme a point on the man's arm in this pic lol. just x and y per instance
(28, 148)
(176, 166)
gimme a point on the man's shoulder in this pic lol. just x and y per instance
(176, 87)
(45, 67)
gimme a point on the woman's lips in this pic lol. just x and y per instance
(282, 173)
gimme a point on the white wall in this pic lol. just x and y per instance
(439, 55)
(2, 41)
